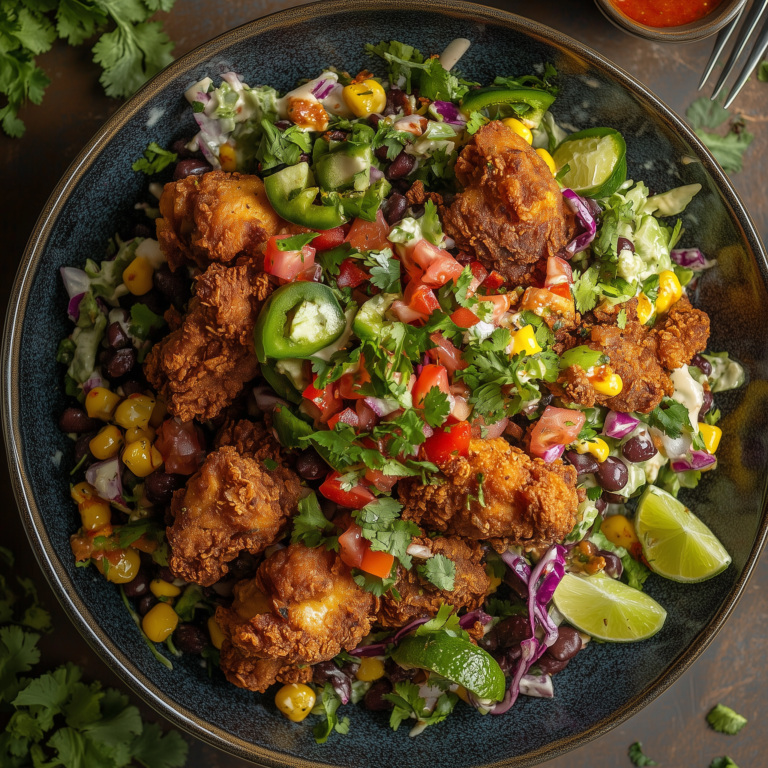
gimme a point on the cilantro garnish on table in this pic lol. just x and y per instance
(724, 720)
(638, 757)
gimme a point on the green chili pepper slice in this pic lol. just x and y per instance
(528, 103)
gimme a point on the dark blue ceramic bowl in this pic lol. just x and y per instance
(607, 683)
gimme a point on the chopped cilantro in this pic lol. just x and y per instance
(403, 56)
(476, 122)
(440, 571)
(670, 417)
(723, 762)
(430, 224)
(144, 321)
(295, 242)
(651, 287)
(637, 757)
(380, 523)
(408, 702)
(281, 147)
(310, 523)
(329, 702)
(594, 493)
(385, 270)
(621, 319)
(155, 159)
(585, 290)
(271, 464)
(724, 720)
(374, 584)
(331, 260)
(436, 407)
(728, 149)
(393, 140)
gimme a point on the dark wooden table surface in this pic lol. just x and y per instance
(733, 670)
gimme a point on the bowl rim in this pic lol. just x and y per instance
(685, 33)
(78, 612)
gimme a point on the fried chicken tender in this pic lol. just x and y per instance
(683, 333)
(419, 597)
(511, 212)
(253, 439)
(303, 607)
(215, 217)
(201, 367)
(258, 674)
(525, 500)
(232, 504)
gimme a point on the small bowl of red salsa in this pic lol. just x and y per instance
(671, 21)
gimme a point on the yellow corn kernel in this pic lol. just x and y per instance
(158, 413)
(370, 669)
(214, 630)
(711, 436)
(547, 158)
(597, 447)
(126, 570)
(134, 411)
(519, 128)
(645, 309)
(606, 382)
(227, 158)
(142, 458)
(137, 276)
(365, 98)
(160, 622)
(100, 403)
(140, 433)
(494, 581)
(95, 513)
(670, 291)
(107, 443)
(160, 588)
(524, 340)
(295, 700)
(83, 491)
(619, 531)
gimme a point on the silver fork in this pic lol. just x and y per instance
(751, 20)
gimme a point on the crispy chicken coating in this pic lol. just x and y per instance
(215, 217)
(511, 212)
(419, 597)
(497, 493)
(258, 674)
(232, 504)
(683, 333)
(303, 607)
(253, 439)
(201, 367)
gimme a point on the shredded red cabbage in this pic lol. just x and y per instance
(585, 216)
(539, 686)
(73, 308)
(552, 453)
(699, 460)
(690, 257)
(619, 425)
(323, 89)
(104, 476)
(469, 619)
(448, 111)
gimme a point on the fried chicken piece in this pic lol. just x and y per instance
(683, 333)
(253, 439)
(215, 217)
(201, 367)
(303, 607)
(419, 597)
(258, 674)
(511, 212)
(232, 504)
(525, 500)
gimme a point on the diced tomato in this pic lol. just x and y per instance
(537, 300)
(366, 416)
(182, 446)
(465, 318)
(352, 546)
(331, 238)
(369, 235)
(356, 498)
(286, 264)
(557, 426)
(561, 289)
(494, 281)
(327, 399)
(446, 354)
(350, 275)
(430, 376)
(347, 416)
(377, 563)
(488, 432)
(479, 274)
(350, 383)
(380, 481)
(420, 298)
(405, 314)
(313, 273)
(438, 265)
(501, 305)
(448, 442)
(558, 271)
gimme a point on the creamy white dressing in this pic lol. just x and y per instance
(201, 86)
(726, 373)
(294, 370)
(689, 393)
(453, 52)
(653, 466)
(150, 250)
(304, 92)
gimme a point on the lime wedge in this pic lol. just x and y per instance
(597, 160)
(455, 659)
(676, 544)
(608, 609)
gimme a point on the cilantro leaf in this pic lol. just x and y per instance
(329, 702)
(185, 606)
(331, 260)
(503, 608)
(385, 270)
(380, 523)
(144, 321)
(476, 122)
(637, 757)
(403, 56)
(705, 113)
(723, 762)
(373, 584)
(281, 147)
(436, 407)
(18, 653)
(310, 523)
(670, 417)
(440, 571)
(594, 493)
(295, 242)
(446, 620)
(392, 139)
(430, 224)
(724, 720)
(153, 750)
(621, 319)
(407, 701)
(155, 159)
(729, 149)
(585, 290)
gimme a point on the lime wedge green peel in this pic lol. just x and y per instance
(608, 609)
(676, 544)
(455, 659)
(596, 159)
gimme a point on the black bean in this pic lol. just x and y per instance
(401, 185)
(374, 697)
(180, 148)
(489, 641)
(639, 448)
(612, 474)
(374, 120)
(512, 580)
(613, 565)
(152, 299)
(119, 362)
(142, 230)
(549, 665)
(159, 486)
(350, 668)
(147, 603)
(381, 153)
(132, 387)
(395, 208)
(139, 586)
(512, 630)
(702, 364)
(396, 673)
(545, 400)
(613, 498)
(190, 639)
(117, 338)
(283, 125)
(601, 504)
(175, 286)
(325, 672)
(337, 135)
(585, 463)
(310, 466)
(567, 645)
(706, 405)
(190, 167)
(401, 166)
(417, 211)
(77, 420)
(304, 158)
(165, 573)
(82, 447)
(623, 244)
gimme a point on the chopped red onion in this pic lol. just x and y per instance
(469, 619)
(585, 216)
(381, 406)
(210, 133)
(75, 281)
(619, 425)
(692, 258)
(552, 453)
(94, 380)
(266, 399)
(323, 89)
(480, 430)
(104, 476)
(539, 686)
(375, 174)
(233, 80)
(73, 308)
(699, 460)
(448, 112)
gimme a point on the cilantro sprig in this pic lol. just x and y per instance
(155, 159)
(408, 702)
(638, 757)
(724, 720)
